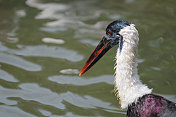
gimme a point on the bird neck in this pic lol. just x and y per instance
(128, 86)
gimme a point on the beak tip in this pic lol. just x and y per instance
(80, 73)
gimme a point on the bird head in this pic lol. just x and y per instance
(111, 38)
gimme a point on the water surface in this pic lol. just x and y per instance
(45, 43)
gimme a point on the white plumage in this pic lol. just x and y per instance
(127, 83)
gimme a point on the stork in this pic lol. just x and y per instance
(132, 93)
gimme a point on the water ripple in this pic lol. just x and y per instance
(53, 29)
(43, 51)
(6, 76)
(7, 111)
(68, 114)
(44, 112)
(47, 51)
(45, 96)
(19, 62)
(31, 91)
(69, 71)
(79, 81)
(52, 40)
(90, 42)
(49, 10)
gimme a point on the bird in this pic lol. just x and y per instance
(129, 89)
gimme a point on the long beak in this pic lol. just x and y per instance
(103, 46)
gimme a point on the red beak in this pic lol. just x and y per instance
(103, 46)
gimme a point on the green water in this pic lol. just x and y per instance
(40, 78)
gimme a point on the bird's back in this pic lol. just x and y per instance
(151, 105)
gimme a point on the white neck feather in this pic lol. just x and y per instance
(127, 83)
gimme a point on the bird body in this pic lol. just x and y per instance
(132, 93)
(151, 105)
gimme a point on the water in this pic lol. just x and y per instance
(44, 44)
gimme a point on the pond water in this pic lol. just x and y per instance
(45, 43)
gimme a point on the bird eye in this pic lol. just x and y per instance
(109, 32)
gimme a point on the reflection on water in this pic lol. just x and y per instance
(44, 44)
(91, 42)
(40, 51)
(51, 40)
(53, 29)
(45, 96)
(19, 62)
(7, 111)
(47, 51)
(48, 114)
(49, 10)
(6, 76)
(69, 71)
(76, 80)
